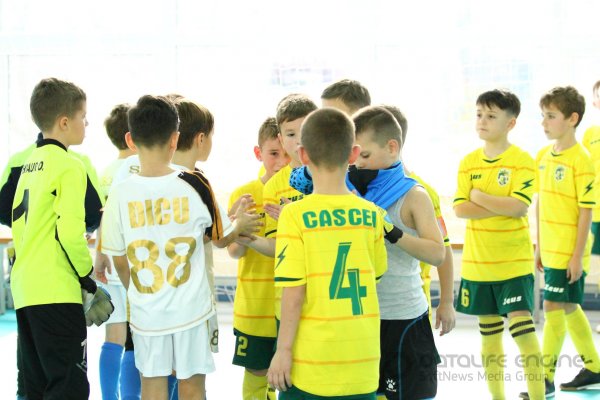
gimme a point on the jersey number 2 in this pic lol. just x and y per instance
(353, 291)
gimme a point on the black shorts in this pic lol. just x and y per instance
(52, 344)
(409, 359)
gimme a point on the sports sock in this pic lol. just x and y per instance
(110, 370)
(254, 387)
(172, 388)
(271, 393)
(381, 397)
(581, 335)
(555, 330)
(492, 354)
(131, 385)
(522, 330)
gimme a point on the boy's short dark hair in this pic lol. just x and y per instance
(294, 106)
(503, 99)
(152, 121)
(116, 125)
(193, 119)
(268, 130)
(328, 137)
(567, 99)
(380, 122)
(400, 118)
(351, 92)
(53, 98)
(596, 86)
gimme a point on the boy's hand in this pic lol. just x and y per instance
(538, 260)
(574, 270)
(474, 195)
(101, 265)
(446, 316)
(246, 222)
(274, 210)
(279, 374)
(236, 204)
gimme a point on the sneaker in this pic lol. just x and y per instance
(585, 379)
(549, 390)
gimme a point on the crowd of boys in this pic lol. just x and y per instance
(335, 241)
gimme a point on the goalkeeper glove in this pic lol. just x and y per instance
(97, 306)
(392, 232)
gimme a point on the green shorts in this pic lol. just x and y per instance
(596, 233)
(296, 394)
(496, 298)
(557, 287)
(253, 352)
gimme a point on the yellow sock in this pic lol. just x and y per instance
(492, 354)
(381, 397)
(581, 335)
(254, 387)
(271, 394)
(522, 330)
(555, 330)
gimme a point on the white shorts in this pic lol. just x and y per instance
(186, 352)
(118, 296)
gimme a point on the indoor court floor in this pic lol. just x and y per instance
(459, 375)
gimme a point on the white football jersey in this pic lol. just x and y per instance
(160, 223)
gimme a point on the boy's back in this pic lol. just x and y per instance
(52, 183)
(159, 223)
(334, 246)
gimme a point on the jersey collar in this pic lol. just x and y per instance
(43, 142)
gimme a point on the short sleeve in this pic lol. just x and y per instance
(524, 179)
(463, 184)
(290, 266)
(113, 241)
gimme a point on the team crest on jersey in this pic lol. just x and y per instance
(503, 176)
(559, 173)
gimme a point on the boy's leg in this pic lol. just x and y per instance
(20, 378)
(59, 334)
(193, 387)
(255, 384)
(34, 380)
(172, 387)
(491, 328)
(522, 329)
(129, 382)
(154, 388)
(555, 330)
(111, 356)
(255, 354)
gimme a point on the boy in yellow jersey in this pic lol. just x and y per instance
(53, 263)
(566, 196)
(253, 307)
(495, 187)
(591, 141)
(331, 252)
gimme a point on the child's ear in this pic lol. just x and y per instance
(173, 141)
(63, 123)
(512, 123)
(393, 146)
(257, 153)
(303, 155)
(130, 143)
(354, 153)
(574, 118)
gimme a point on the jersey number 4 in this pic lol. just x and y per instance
(150, 263)
(353, 291)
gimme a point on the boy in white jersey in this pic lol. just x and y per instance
(495, 187)
(155, 222)
(566, 196)
(254, 305)
(330, 255)
(408, 367)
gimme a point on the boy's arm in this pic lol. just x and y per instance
(445, 314)
(265, 246)
(428, 246)
(279, 375)
(470, 210)
(575, 265)
(538, 253)
(499, 205)
(122, 267)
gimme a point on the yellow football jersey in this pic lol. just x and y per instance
(254, 303)
(591, 141)
(497, 248)
(276, 188)
(334, 246)
(565, 184)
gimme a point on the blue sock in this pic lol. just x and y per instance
(131, 386)
(110, 369)
(173, 388)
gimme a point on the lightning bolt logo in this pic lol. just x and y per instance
(527, 184)
(588, 188)
(281, 256)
